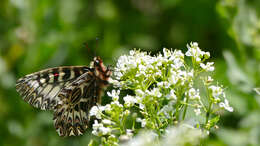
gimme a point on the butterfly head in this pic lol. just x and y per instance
(101, 70)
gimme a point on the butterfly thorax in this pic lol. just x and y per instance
(101, 71)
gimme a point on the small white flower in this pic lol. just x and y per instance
(116, 103)
(104, 130)
(209, 79)
(108, 108)
(194, 51)
(95, 111)
(173, 79)
(166, 53)
(164, 84)
(96, 127)
(99, 129)
(155, 92)
(197, 111)
(226, 106)
(142, 121)
(208, 67)
(131, 52)
(129, 100)
(141, 106)
(194, 94)
(216, 91)
(207, 55)
(114, 94)
(139, 92)
(114, 82)
(106, 122)
(126, 112)
(172, 95)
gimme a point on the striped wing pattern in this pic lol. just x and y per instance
(69, 91)
(71, 115)
(40, 89)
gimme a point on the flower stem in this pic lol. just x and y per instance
(185, 108)
(208, 113)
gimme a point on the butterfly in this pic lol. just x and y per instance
(69, 91)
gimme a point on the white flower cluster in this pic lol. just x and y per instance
(217, 93)
(163, 90)
(195, 52)
(181, 135)
(99, 129)
(142, 65)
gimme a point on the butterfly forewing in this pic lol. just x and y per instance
(40, 89)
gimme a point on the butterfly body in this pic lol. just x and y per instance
(69, 91)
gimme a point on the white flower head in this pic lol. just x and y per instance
(132, 52)
(129, 100)
(108, 108)
(197, 111)
(171, 95)
(207, 55)
(99, 129)
(155, 92)
(141, 106)
(208, 67)
(96, 111)
(216, 91)
(96, 127)
(105, 130)
(226, 106)
(164, 84)
(114, 94)
(106, 122)
(194, 51)
(209, 79)
(194, 94)
(173, 79)
(126, 112)
(116, 103)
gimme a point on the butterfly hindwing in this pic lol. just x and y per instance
(71, 115)
(40, 89)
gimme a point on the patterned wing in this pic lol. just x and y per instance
(71, 115)
(40, 89)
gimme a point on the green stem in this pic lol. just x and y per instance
(185, 108)
(208, 113)
(177, 111)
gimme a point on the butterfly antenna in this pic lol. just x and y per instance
(97, 39)
(85, 45)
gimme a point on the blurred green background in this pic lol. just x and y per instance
(35, 35)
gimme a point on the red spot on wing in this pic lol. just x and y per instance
(56, 74)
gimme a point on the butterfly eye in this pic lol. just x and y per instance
(97, 62)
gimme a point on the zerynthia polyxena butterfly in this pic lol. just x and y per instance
(69, 91)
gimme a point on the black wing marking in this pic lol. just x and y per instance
(40, 89)
(71, 115)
